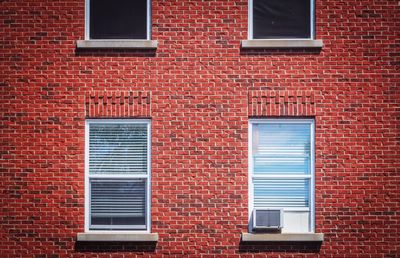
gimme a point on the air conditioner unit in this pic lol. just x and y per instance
(267, 219)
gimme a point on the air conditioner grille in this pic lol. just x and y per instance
(267, 219)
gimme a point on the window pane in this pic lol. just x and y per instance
(281, 19)
(281, 148)
(118, 204)
(118, 149)
(118, 19)
(282, 193)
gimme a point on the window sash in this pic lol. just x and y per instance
(251, 25)
(111, 203)
(281, 152)
(146, 177)
(117, 149)
(87, 22)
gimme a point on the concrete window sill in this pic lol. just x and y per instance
(286, 237)
(278, 43)
(117, 44)
(117, 237)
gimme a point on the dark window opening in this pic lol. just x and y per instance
(118, 19)
(273, 19)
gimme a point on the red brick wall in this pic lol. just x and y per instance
(200, 83)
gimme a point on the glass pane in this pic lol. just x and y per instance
(281, 19)
(117, 149)
(118, 19)
(281, 148)
(118, 204)
(281, 193)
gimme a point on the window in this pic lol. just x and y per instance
(281, 19)
(117, 175)
(281, 168)
(118, 19)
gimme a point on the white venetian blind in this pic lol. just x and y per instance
(281, 165)
(281, 193)
(118, 149)
(281, 149)
(117, 202)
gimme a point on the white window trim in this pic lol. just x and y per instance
(148, 176)
(312, 172)
(87, 24)
(312, 23)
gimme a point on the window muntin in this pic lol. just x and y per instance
(281, 19)
(117, 175)
(281, 168)
(118, 19)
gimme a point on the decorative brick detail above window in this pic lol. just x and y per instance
(118, 104)
(282, 103)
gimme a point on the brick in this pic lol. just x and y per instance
(267, 103)
(118, 104)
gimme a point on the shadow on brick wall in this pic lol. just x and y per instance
(116, 52)
(283, 247)
(296, 52)
(115, 247)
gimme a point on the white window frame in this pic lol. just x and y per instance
(311, 175)
(87, 23)
(312, 21)
(147, 177)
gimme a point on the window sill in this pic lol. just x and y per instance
(117, 44)
(286, 237)
(117, 237)
(281, 43)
